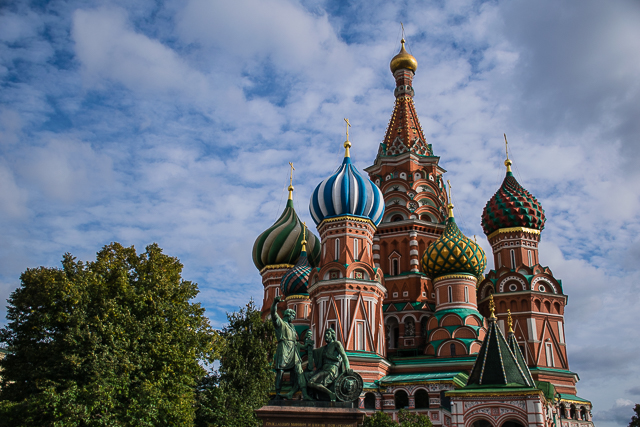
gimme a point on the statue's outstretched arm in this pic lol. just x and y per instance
(275, 318)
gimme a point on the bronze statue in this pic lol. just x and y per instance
(287, 356)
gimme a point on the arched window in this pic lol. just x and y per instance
(394, 267)
(396, 218)
(445, 401)
(573, 415)
(425, 217)
(422, 399)
(482, 423)
(499, 260)
(513, 259)
(417, 176)
(337, 248)
(452, 349)
(530, 258)
(356, 251)
(369, 401)
(401, 399)
(450, 294)
(466, 294)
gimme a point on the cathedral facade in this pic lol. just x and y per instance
(422, 322)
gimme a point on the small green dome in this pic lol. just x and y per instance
(512, 206)
(453, 253)
(282, 242)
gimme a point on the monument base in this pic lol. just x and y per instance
(309, 415)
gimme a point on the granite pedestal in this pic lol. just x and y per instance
(298, 413)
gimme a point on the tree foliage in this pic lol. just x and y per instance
(635, 420)
(244, 350)
(111, 342)
(405, 418)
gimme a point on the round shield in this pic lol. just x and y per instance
(348, 386)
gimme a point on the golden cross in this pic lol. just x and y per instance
(291, 177)
(506, 146)
(304, 231)
(348, 126)
(509, 321)
(402, 30)
(449, 184)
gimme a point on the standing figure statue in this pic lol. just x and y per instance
(287, 356)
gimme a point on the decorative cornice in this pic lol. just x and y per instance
(276, 267)
(511, 230)
(454, 276)
(347, 217)
(290, 297)
(460, 393)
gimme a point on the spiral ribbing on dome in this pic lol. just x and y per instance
(281, 244)
(453, 253)
(296, 280)
(347, 192)
(512, 206)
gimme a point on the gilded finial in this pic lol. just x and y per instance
(509, 321)
(450, 205)
(507, 162)
(403, 60)
(347, 143)
(492, 308)
(291, 181)
(304, 237)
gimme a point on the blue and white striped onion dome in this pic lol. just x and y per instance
(296, 280)
(347, 192)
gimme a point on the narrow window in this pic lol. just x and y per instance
(360, 336)
(438, 297)
(466, 294)
(513, 259)
(337, 248)
(452, 348)
(324, 249)
(530, 259)
(450, 294)
(499, 260)
(394, 267)
(277, 291)
(355, 249)
(549, 354)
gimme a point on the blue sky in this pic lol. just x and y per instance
(174, 122)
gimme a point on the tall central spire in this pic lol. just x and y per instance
(404, 133)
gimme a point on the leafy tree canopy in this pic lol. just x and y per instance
(635, 420)
(244, 352)
(112, 342)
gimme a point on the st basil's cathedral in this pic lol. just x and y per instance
(406, 291)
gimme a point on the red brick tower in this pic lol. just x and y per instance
(512, 221)
(408, 174)
(346, 289)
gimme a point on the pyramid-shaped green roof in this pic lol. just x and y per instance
(496, 365)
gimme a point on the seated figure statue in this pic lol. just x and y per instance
(332, 376)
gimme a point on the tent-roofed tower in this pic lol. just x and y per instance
(410, 178)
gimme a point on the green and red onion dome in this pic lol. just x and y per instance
(281, 244)
(512, 206)
(296, 280)
(453, 253)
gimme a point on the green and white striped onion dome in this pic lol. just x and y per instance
(281, 244)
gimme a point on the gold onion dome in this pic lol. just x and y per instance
(453, 253)
(403, 60)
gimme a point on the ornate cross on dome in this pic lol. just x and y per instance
(304, 237)
(509, 321)
(492, 308)
(507, 162)
(450, 205)
(291, 181)
(347, 143)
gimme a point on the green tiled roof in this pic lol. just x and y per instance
(515, 348)
(574, 398)
(547, 388)
(554, 371)
(416, 305)
(427, 360)
(458, 378)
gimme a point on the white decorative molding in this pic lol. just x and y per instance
(516, 278)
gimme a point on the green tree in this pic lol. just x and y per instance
(635, 420)
(244, 350)
(406, 418)
(113, 342)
